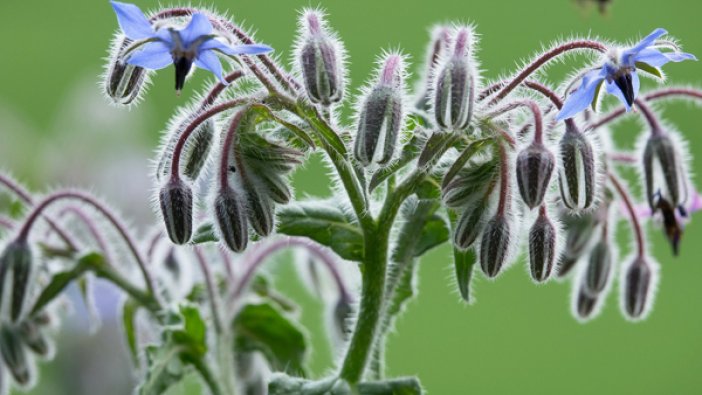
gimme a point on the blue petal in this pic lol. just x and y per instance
(636, 83)
(583, 96)
(613, 89)
(657, 58)
(208, 60)
(199, 26)
(628, 55)
(133, 22)
(154, 55)
(246, 49)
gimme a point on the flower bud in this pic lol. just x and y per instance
(585, 304)
(16, 259)
(35, 339)
(494, 245)
(198, 149)
(176, 200)
(171, 264)
(320, 60)
(542, 247)
(534, 167)
(381, 115)
(231, 219)
(260, 211)
(342, 314)
(577, 170)
(637, 289)
(662, 167)
(454, 90)
(599, 268)
(579, 232)
(469, 225)
(14, 355)
(123, 82)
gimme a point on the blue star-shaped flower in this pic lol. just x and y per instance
(196, 43)
(619, 74)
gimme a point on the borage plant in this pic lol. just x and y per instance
(459, 160)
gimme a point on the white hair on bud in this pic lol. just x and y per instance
(651, 291)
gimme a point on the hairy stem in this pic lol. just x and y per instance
(640, 241)
(211, 290)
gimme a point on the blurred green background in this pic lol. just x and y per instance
(56, 129)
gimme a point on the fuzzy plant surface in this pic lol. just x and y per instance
(503, 169)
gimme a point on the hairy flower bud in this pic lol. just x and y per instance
(637, 288)
(469, 225)
(599, 268)
(198, 149)
(579, 233)
(320, 61)
(662, 171)
(260, 211)
(17, 260)
(534, 167)
(585, 304)
(542, 247)
(381, 115)
(123, 82)
(176, 199)
(454, 89)
(35, 339)
(14, 355)
(494, 245)
(577, 170)
(231, 219)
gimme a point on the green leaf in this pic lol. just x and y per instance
(647, 68)
(409, 152)
(193, 334)
(324, 223)
(205, 233)
(129, 311)
(435, 144)
(463, 158)
(263, 327)
(165, 369)
(61, 280)
(463, 262)
(433, 234)
(399, 386)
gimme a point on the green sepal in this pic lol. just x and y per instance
(647, 68)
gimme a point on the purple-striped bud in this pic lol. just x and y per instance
(494, 245)
(260, 211)
(123, 82)
(34, 338)
(469, 225)
(599, 267)
(14, 355)
(662, 171)
(454, 85)
(16, 261)
(542, 247)
(585, 304)
(198, 149)
(577, 170)
(637, 292)
(176, 199)
(534, 168)
(381, 115)
(230, 216)
(320, 61)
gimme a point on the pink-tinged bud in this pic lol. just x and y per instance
(230, 216)
(599, 268)
(123, 82)
(381, 115)
(637, 284)
(534, 168)
(662, 171)
(577, 171)
(14, 355)
(494, 245)
(320, 61)
(454, 86)
(176, 199)
(16, 260)
(542, 247)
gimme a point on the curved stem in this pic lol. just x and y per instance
(654, 95)
(650, 117)
(211, 291)
(503, 204)
(640, 243)
(92, 228)
(533, 85)
(121, 229)
(25, 197)
(219, 87)
(535, 110)
(6, 223)
(543, 59)
(228, 146)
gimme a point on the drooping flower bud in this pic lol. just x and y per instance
(494, 245)
(577, 169)
(17, 261)
(260, 211)
(542, 247)
(662, 171)
(534, 167)
(454, 85)
(34, 338)
(585, 304)
(231, 219)
(198, 149)
(176, 199)
(14, 355)
(123, 82)
(637, 288)
(381, 114)
(599, 268)
(469, 225)
(320, 60)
